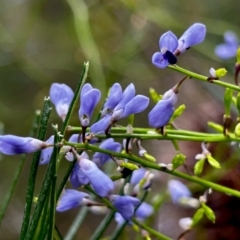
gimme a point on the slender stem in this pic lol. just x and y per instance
(203, 78)
(52, 207)
(43, 195)
(152, 131)
(149, 164)
(33, 171)
(153, 232)
(205, 138)
(76, 224)
(101, 228)
(75, 97)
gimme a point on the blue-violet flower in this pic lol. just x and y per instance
(61, 96)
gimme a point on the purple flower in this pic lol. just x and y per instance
(77, 177)
(229, 48)
(89, 99)
(127, 105)
(114, 97)
(47, 152)
(125, 205)
(194, 35)
(70, 199)
(109, 144)
(137, 176)
(11, 145)
(168, 43)
(61, 96)
(178, 190)
(143, 211)
(160, 115)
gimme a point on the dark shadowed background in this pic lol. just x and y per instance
(42, 42)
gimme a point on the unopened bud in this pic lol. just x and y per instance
(128, 165)
(149, 157)
(213, 162)
(215, 126)
(197, 216)
(178, 112)
(238, 103)
(221, 72)
(208, 212)
(199, 166)
(238, 55)
(228, 100)
(237, 130)
(154, 95)
(178, 160)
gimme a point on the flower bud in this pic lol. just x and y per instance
(213, 162)
(149, 157)
(209, 212)
(238, 55)
(154, 95)
(215, 126)
(237, 130)
(199, 166)
(197, 216)
(228, 100)
(178, 112)
(178, 160)
(128, 165)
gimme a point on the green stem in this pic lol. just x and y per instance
(153, 232)
(43, 194)
(152, 165)
(76, 224)
(207, 138)
(33, 171)
(52, 207)
(203, 78)
(75, 97)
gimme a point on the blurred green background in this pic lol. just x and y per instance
(42, 42)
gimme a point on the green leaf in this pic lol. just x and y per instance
(199, 166)
(197, 216)
(178, 160)
(209, 212)
(213, 162)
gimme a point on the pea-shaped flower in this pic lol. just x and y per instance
(11, 145)
(160, 115)
(109, 144)
(47, 152)
(228, 49)
(70, 199)
(114, 97)
(194, 35)
(137, 176)
(89, 99)
(129, 104)
(143, 211)
(125, 205)
(61, 96)
(168, 43)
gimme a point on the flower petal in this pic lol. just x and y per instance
(100, 182)
(178, 190)
(137, 176)
(114, 97)
(169, 41)
(231, 38)
(47, 152)
(101, 125)
(138, 104)
(144, 211)
(11, 144)
(159, 61)
(127, 95)
(70, 199)
(160, 115)
(226, 51)
(77, 177)
(102, 158)
(195, 34)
